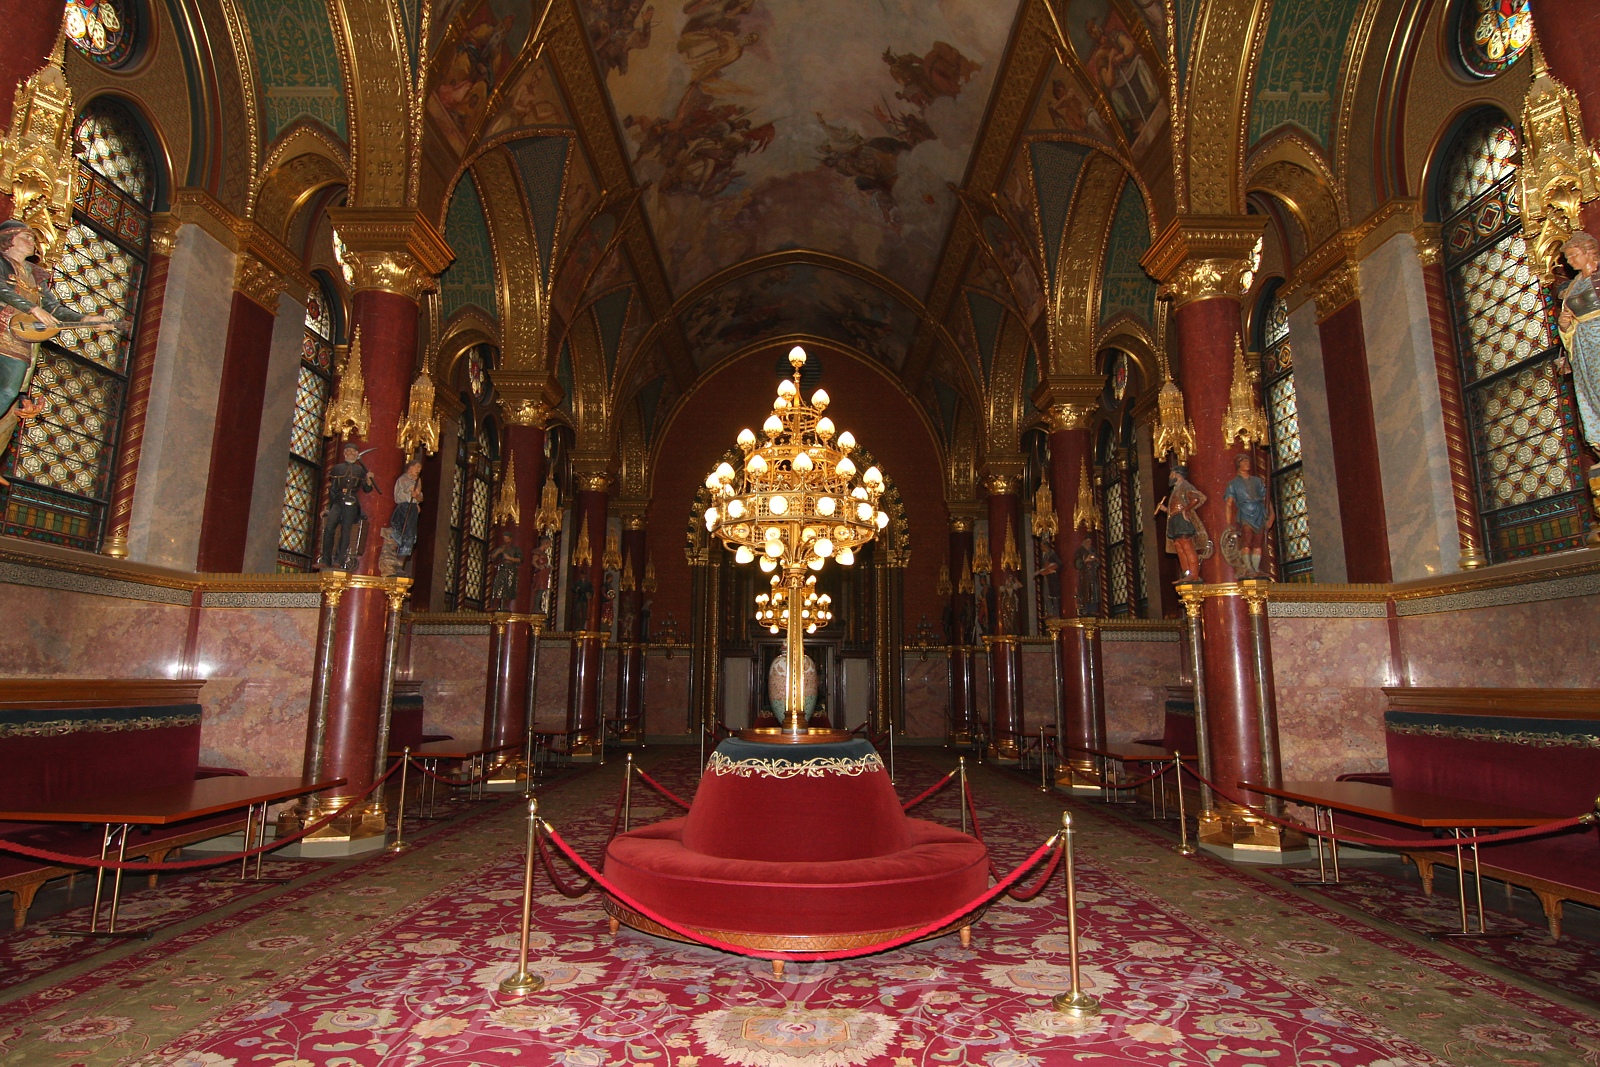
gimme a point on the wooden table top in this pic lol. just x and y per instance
(1424, 810)
(170, 804)
(452, 750)
(1131, 752)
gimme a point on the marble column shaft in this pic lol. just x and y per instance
(583, 715)
(630, 635)
(1004, 656)
(230, 484)
(506, 691)
(964, 717)
(1083, 709)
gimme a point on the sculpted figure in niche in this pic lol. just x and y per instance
(504, 560)
(30, 312)
(1248, 506)
(1579, 326)
(342, 521)
(1086, 561)
(1186, 532)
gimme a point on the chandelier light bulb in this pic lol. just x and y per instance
(756, 464)
(773, 426)
(864, 511)
(824, 425)
(774, 549)
(802, 462)
(845, 557)
(735, 509)
(711, 518)
(819, 399)
(826, 598)
(797, 357)
(816, 563)
(772, 629)
(811, 580)
(847, 441)
(786, 388)
(772, 534)
(823, 548)
(859, 493)
(873, 477)
(846, 468)
(724, 472)
(811, 629)
(780, 404)
(779, 505)
(711, 480)
(769, 565)
(825, 506)
(883, 519)
(744, 555)
(747, 439)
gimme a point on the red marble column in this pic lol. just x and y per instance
(237, 431)
(1004, 654)
(630, 658)
(31, 30)
(964, 716)
(506, 692)
(1083, 712)
(163, 236)
(1362, 517)
(1567, 31)
(1452, 405)
(583, 710)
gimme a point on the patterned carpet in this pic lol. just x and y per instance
(395, 960)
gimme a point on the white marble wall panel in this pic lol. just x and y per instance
(175, 459)
(272, 448)
(1417, 495)
(1316, 447)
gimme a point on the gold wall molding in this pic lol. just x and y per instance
(1210, 156)
(1337, 289)
(519, 276)
(381, 102)
(1074, 305)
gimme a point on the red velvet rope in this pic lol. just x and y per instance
(1402, 844)
(562, 887)
(456, 782)
(1137, 782)
(1044, 880)
(983, 900)
(663, 790)
(932, 789)
(65, 860)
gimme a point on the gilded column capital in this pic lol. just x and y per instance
(528, 399)
(1000, 483)
(258, 282)
(164, 227)
(391, 250)
(1430, 243)
(593, 481)
(1063, 417)
(961, 523)
(1338, 288)
(1193, 596)
(1204, 257)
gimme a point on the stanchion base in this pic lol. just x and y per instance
(1080, 1005)
(1187, 850)
(520, 985)
(1475, 935)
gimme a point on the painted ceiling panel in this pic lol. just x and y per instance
(297, 64)
(1055, 172)
(1300, 66)
(470, 277)
(610, 315)
(542, 162)
(761, 126)
(483, 38)
(1125, 286)
(800, 299)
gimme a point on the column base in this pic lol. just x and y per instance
(312, 848)
(960, 739)
(508, 777)
(1079, 778)
(1234, 832)
(368, 822)
(584, 750)
(1004, 750)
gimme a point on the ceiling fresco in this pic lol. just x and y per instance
(759, 127)
(483, 37)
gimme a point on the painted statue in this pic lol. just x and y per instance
(407, 509)
(1249, 512)
(1186, 532)
(1050, 571)
(543, 572)
(582, 593)
(1086, 561)
(342, 521)
(27, 301)
(505, 559)
(1579, 326)
(1010, 599)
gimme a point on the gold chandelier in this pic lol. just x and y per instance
(798, 502)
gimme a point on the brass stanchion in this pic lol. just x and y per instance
(1075, 1002)
(400, 805)
(627, 794)
(1044, 783)
(1184, 848)
(962, 801)
(522, 983)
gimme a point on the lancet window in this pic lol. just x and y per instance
(62, 463)
(1284, 466)
(471, 500)
(297, 536)
(1519, 405)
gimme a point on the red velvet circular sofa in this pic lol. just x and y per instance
(796, 848)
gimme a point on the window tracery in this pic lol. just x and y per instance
(302, 489)
(1285, 471)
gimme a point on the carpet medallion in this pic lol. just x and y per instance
(396, 960)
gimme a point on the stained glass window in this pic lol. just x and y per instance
(103, 30)
(1283, 446)
(468, 553)
(297, 542)
(63, 460)
(1494, 34)
(1519, 405)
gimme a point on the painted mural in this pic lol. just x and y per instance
(1300, 66)
(531, 100)
(785, 133)
(1125, 286)
(1066, 105)
(488, 36)
(798, 299)
(1121, 49)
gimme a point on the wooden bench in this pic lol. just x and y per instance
(65, 739)
(1529, 748)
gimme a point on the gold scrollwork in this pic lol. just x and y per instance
(36, 164)
(258, 282)
(1337, 289)
(164, 233)
(1560, 170)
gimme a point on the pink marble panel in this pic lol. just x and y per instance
(257, 663)
(1326, 731)
(1331, 652)
(55, 633)
(453, 670)
(927, 695)
(1551, 644)
(1135, 679)
(555, 678)
(666, 697)
(1038, 687)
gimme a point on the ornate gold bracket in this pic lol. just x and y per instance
(1560, 170)
(36, 162)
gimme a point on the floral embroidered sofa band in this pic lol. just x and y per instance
(55, 722)
(1540, 733)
